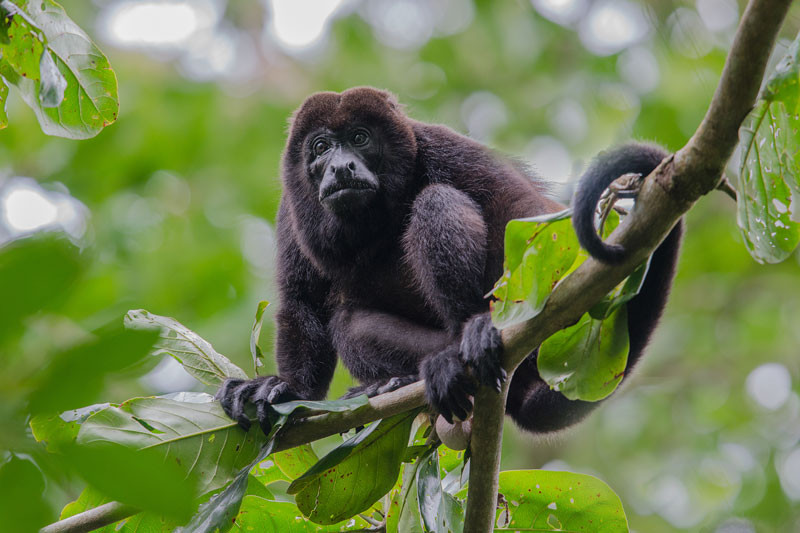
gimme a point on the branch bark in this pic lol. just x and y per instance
(665, 196)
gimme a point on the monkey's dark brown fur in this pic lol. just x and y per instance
(390, 231)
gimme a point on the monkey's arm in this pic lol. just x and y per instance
(304, 352)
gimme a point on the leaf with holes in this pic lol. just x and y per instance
(356, 474)
(538, 500)
(77, 98)
(586, 361)
(539, 251)
(199, 437)
(196, 354)
(768, 184)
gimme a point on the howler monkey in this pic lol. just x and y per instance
(390, 233)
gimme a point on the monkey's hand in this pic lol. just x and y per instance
(448, 385)
(261, 391)
(482, 351)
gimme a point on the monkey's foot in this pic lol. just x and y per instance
(482, 350)
(448, 386)
(380, 387)
(261, 391)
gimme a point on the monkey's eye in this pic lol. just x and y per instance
(321, 146)
(360, 138)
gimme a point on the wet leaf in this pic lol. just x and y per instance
(539, 252)
(90, 100)
(538, 500)
(356, 474)
(586, 361)
(768, 184)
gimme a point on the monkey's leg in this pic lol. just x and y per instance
(382, 351)
(536, 408)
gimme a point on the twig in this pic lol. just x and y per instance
(92, 519)
(665, 196)
(725, 186)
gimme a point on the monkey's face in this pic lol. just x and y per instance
(339, 164)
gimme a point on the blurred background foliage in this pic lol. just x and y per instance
(173, 206)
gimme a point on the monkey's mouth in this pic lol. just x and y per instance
(343, 188)
(347, 196)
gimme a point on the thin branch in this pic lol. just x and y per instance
(92, 519)
(725, 186)
(665, 196)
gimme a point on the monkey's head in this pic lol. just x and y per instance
(352, 152)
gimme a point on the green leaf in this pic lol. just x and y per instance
(260, 515)
(53, 83)
(36, 274)
(295, 461)
(539, 500)
(403, 513)
(141, 478)
(356, 474)
(784, 84)
(196, 354)
(90, 100)
(22, 505)
(330, 406)
(3, 102)
(76, 376)
(538, 253)
(768, 184)
(198, 437)
(218, 513)
(255, 350)
(60, 431)
(768, 173)
(440, 511)
(586, 361)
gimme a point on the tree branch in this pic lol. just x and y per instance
(665, 196)
(92, 519)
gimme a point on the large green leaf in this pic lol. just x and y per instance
(60, 431)
(35, 274)
(198, 435)
(218, 513)
(89, 101)
(586, 361)
(141, 478)
(539, 251)
(440, 511)
(196, 354)
(261, 515)
(76, 376)
(768, 184)
(539, 500)
(23, 508)
(356, 474)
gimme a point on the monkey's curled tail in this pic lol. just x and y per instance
(633, 158)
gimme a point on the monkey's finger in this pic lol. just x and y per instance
(262, 413)
(225, 394)
(241, 394)
(276, 392)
